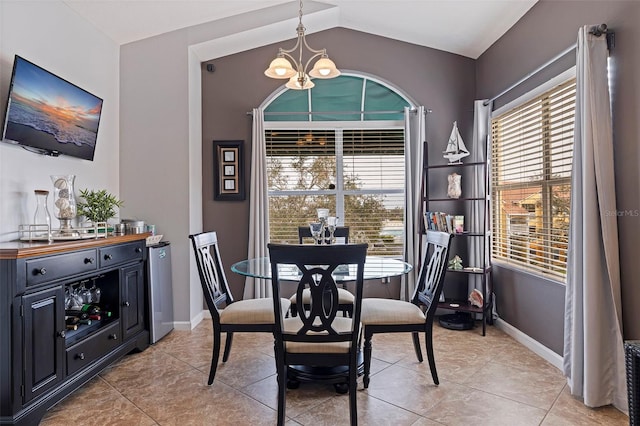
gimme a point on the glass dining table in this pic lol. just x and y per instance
(375, 267)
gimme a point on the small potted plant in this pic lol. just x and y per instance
(97, 206)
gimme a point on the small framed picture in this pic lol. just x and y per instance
(228, 174)
(229, 184)
(229, 155)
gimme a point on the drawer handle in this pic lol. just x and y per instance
(126, 304)
(41, 271)
(89, 260)
(138, 250)
(113, 336)
(80, 356)
(108, 257)
(62, 334)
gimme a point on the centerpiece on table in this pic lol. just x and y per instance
(98, 206)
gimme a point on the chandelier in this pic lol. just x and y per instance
(281, 66)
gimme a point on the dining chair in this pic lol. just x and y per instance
(345, 297)
(340, 232)
(228, 315)
(317, 337)
(415, 316)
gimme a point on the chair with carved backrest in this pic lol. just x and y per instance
(344, 296)
(398, 316)
(317, 336)
(340, 232)
(228, 315)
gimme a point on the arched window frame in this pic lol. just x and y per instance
(387, 240)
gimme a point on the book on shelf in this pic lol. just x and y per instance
(443, 222)
(458, 224)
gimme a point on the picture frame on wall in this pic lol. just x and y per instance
(228, 177)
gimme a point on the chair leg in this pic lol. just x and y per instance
(416, 346)
(281, 377)
(353, 394)
(216, 354)
(367, 358)
(349, 311)
(227, 346)
(430, 357)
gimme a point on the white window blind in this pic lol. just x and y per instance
(358, 174)
(532, 150)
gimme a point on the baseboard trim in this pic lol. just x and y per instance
(538, 348)
(190, 325)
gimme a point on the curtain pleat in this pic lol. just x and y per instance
(415, 134)
(478, 220)
(593, 347)
(258, 207)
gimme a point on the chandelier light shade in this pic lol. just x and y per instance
(299, 79)
(300, 82)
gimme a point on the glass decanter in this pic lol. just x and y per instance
(41, 218)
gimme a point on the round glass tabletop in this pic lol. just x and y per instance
(375, 267)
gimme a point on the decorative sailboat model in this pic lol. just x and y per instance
(456, 150)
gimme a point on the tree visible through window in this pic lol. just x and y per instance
(358, 174)
(532, 151)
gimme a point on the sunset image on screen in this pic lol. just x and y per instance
(49, 104)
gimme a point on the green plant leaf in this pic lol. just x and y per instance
(98, 206)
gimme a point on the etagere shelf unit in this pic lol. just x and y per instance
(474, 205)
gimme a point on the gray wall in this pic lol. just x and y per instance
(438, 80)
(533, 305)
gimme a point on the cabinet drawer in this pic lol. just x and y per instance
(51, 268)
(121, 253)
(93, 347)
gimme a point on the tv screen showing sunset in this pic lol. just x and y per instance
(49, 113)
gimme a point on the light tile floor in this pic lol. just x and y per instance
(489, 380)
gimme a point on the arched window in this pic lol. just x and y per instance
(339, 146)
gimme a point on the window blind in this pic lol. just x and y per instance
(358, 174)
(532, 152)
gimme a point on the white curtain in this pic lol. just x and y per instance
(414, 137)
(593, 347)
(478, 210)
(258, 207)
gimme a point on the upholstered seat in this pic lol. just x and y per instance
(250, 311)
(391, 312)
(293, 324)
(345, 300)
(398, 316)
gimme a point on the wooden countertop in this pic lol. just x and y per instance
(20, 249)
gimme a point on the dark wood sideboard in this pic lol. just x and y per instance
(41, 360)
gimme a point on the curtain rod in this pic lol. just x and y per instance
(412, 111)
(596, 30)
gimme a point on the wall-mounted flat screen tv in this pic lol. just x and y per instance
(50, 115)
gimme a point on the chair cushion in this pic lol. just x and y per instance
(344, 296)
(390, 311)
(251, 311)
(340, 324)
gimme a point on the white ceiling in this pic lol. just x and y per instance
(464, 27)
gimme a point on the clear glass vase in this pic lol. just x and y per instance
(64, 201)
